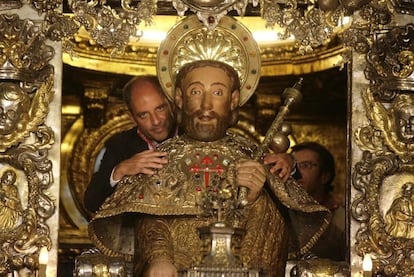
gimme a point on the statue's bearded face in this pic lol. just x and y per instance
(207, 103)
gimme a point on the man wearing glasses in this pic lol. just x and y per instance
(316, 166)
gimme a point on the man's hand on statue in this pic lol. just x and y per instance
(144, 162)
(251, 174)
(161, 268)
(282, 164)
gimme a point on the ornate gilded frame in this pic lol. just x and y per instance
(382, 176)
(26, 90)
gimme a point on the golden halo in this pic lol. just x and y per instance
(229, 42)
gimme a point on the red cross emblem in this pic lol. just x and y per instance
(207, 166)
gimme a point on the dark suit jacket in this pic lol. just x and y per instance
(118, 148)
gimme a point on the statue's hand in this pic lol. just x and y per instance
(161, 268)
(251, 174)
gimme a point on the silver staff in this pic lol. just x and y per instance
(291, 96)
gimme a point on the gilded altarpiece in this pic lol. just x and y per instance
(29, 142)
(381, 124)
(382, 200)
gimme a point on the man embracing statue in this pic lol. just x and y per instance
(200, 185)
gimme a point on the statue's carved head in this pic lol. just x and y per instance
(403, 106)
(14, 106)
(207, 96)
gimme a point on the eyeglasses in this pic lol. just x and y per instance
(307, 165)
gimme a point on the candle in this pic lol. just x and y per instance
(367, 265)
(43, 260)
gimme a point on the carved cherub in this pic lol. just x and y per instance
(14, 106)
(403, 106)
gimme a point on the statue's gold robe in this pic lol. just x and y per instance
(159, 216)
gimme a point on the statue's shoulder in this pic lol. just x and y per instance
(242, 142)
(173, 143)
(232, 140)
(179, 187)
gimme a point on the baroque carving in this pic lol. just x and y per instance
(46, 5)
(26, 90)
(24, 55)
(22, 113)
(384, 177)
(359, 35)
(10, 205)
(400, 216)
(380, 180)
(108, 27)
(403, 6)
(27, 86)
(24, 202)
(210, 12)
(10, 4)
(390, 65)
(394, 124)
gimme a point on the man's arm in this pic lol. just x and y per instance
(145, 162)
(118, 161)
(119, 147)
(99, 188)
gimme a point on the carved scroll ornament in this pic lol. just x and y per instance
(386, 221)
(26, 85)
(26, 90)
(24, 202)
(390, 62)
(384, 204)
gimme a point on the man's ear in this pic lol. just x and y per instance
(325, 177)
(179, 98)
(235, 99)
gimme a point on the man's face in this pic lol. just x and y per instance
(207, 103)
(312, 179)
(151, 112)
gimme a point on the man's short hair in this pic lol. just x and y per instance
(327, 162)
(137, 81)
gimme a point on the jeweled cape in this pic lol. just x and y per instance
(169, 209)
